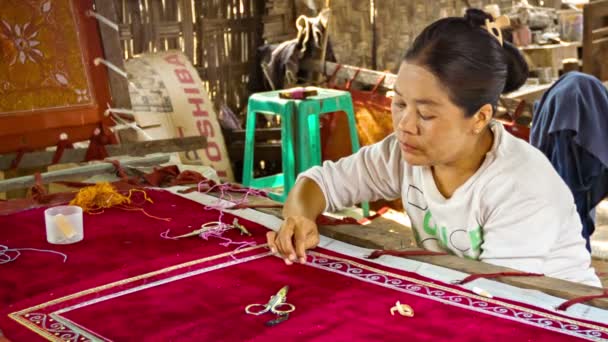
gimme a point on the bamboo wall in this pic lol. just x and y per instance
(397, 22)
(220, 37)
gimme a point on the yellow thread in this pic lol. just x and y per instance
(94, 199)
(100, 196)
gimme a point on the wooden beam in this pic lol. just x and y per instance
(262, 151)
(385, 234)
(140, 148)
(347, 72)
(86, 170)
(113, 53)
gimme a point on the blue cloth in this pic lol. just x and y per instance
(570, 126)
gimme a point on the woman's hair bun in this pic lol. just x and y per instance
(477, 17)
(517, 68)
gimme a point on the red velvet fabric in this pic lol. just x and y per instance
(336, 297)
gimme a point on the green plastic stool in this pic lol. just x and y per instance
(300, 135)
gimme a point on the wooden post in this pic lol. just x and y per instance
(320, 75)
(113, 53)
(87, 170)
(140, 148)
(372, 18)
(187, 28)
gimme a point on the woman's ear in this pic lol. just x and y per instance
(482, 118)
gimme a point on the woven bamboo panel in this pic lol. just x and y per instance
(397, 24)
(219, 37)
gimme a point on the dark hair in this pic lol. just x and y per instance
(468, 60)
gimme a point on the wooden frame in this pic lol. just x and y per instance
(595, 39)
(40, 128)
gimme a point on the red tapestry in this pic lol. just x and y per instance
(125, 282)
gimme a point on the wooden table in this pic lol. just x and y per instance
(386, 234)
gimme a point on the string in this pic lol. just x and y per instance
(216, 229)
(225, 201)
(101, 18)
(121, 123)
(5, 257)
(111, 66)
(165, 235)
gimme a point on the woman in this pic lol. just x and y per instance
(469, 188)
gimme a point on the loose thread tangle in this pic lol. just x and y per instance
(96, 198)
(225, 201)
(6, 257)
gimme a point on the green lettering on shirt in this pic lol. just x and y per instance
(427, 228)
(476, 239)
(444, 236)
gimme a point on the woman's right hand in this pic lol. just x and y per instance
(297, 234)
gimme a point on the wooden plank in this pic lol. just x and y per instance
(385, 234)
(598, 7)
(113, 53)
(262, 151)
(595, 54)
(600, 41)
(139, 148)
(87, 170)
(187, 28)
(138, 29)
(550, 55)
(599, 33)
(261, 134)
(2, 194)
(529, 93)
(347, 72)
(155, 12)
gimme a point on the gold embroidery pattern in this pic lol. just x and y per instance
(22, 315)
(40, 59)
(357, 270)
(354, 268)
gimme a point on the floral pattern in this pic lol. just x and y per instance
(20, 43)
(41, 56)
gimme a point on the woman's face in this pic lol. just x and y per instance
(430, 128)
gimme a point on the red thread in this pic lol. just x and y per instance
(496, 275)
(62, 145)
(420, 252)
(349, 83)
(565, 305)
(119, 170)
(332, 78)
(15, 163)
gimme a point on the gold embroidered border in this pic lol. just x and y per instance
(460, 292)
(17, 316)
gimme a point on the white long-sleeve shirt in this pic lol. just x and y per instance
(515, 211)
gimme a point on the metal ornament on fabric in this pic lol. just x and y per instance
(277, 305)
(403, 309)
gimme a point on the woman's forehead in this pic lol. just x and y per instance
(420, 85)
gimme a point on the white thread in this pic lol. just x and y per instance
(5, 257)
(118, 120)
(118, 110)
(101, 18)
(114, 68)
